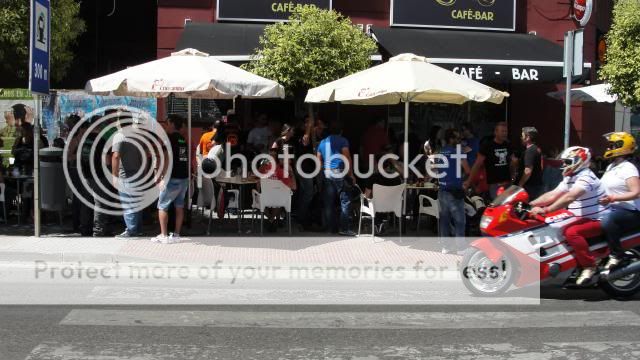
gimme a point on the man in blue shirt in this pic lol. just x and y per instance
(451, 194)
(335, 157)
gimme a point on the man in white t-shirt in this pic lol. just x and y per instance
(622, 186)
(579, 192)
(260, 135)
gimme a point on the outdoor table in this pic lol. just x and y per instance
(19, 179)
(240, 183)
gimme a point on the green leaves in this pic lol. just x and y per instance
(622, 68)
(66, 27)
(315, 47)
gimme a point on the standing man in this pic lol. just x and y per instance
(451, 194)
(530, 165)
(302, 145)
(126, 161)
(260, 135)
(173, 185)
(335, 157)
(498, 159)
(206, 140)
(470, 143)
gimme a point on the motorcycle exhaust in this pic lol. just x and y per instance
(620, 273)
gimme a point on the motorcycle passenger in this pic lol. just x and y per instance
(622, 187)
(579, 192)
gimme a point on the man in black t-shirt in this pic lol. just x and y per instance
(498, 159)
(174, 184)
(530, 165)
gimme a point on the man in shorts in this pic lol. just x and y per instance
(174, 184)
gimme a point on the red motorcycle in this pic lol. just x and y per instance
(525, 249)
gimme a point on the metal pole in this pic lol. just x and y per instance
(569, 74)
(188, 152)
(36, 165)
(405, 159)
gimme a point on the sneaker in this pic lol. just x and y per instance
(585, 275)
(446, 251)
(175, 238)
(125, 235)
(612, 262)
(159, 239)
(347, 233)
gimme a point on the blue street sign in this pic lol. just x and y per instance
(39, 47)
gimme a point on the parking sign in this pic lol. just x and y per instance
(39, 47)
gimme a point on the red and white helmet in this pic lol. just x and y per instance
(575, 159)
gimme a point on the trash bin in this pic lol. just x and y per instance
(52, 180)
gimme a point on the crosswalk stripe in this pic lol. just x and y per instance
(135, 351)
(352, 320)
(282, 293)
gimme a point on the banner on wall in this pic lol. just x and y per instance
(59, 105)
(264, 10)
(456, 14)
(16, 106)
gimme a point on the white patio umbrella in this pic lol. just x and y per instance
(404, 78)
(593, 93)
(188, 73)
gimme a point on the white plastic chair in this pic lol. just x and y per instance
(430, 207)
(3, 201)
(273, 194)
(386, 199)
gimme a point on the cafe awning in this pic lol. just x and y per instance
(225, 41)
(483, 56)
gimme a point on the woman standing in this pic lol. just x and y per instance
(622, 187)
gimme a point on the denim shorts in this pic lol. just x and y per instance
(174, 192)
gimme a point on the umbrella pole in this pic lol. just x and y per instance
(405, 159)
(189, 153)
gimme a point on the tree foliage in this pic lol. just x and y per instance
(622, 67)
(316, 46)
(66, 27)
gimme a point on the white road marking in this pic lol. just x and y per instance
(134, 351)
(353, 320)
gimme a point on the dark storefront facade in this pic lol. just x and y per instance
(512, 45)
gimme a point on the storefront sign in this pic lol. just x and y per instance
(507, 73)
(582, 11)
(459, 14)
(264, 10)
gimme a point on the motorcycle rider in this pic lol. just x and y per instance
(622, 187)
(579, 192)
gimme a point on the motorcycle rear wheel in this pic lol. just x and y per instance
(484, 278)
(626, 286)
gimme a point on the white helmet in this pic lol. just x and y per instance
(575, 159)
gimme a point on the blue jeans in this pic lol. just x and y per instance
(451, 214)
(618, 222)
(305, 197)
(132, 215)
(174, 192)
(333, 190)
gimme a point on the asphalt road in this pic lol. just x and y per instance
(582, 324)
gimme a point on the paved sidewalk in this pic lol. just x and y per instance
(235, 250)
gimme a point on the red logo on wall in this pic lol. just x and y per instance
(582, 11)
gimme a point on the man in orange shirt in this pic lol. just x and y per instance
(206, 140)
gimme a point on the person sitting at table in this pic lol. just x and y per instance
(391, 175)
(23, 148)
(278, 173)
